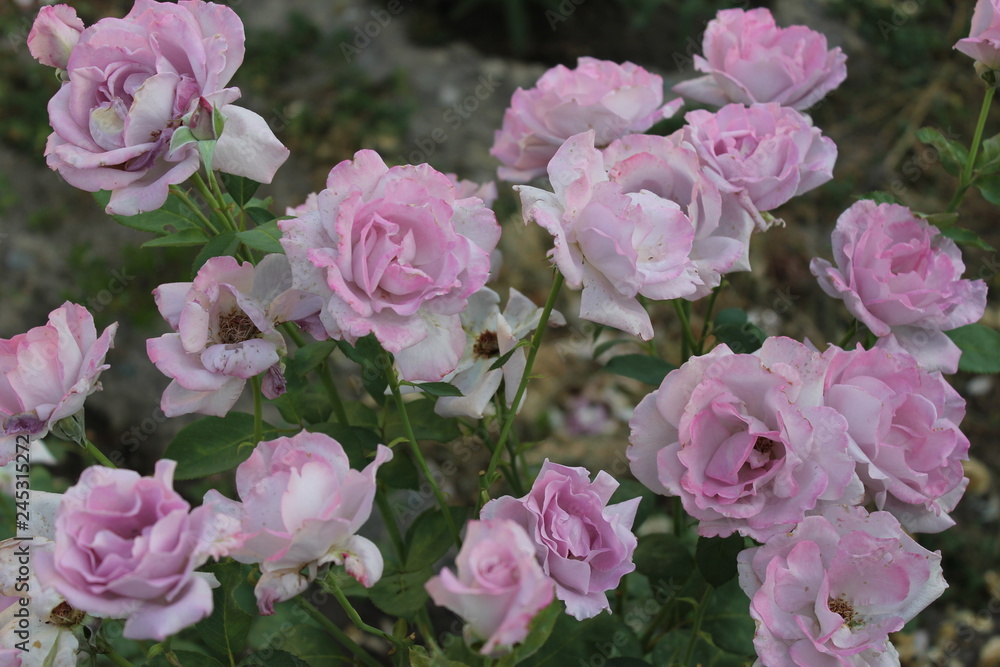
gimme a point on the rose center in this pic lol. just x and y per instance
(63, 614)
(846, 611)
(487, 345)
(236, 327)
(764, 445)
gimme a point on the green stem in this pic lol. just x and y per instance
(217, 190)
(331, 389)
(690, 345)
(258, 410)
(966, 177)
(187, 201)
(647, 636)
(337, 633)
(678, 516)
(352, 614)
(536, 342)
(294, 334)
(699, 616)
(96, 453)
(114, 656)
(385, 509)
(421, 461)
(851, 332)
(709, 321)
(206, 194)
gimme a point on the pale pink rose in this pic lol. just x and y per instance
(490, 334)
(226, 323)
(744, 440)
(583, 544)
(499, 588)
(55, 32)
(983, 42)
(465, 188)
(393, 252)
(765, 152)
(127, 547)
(47, 373)
(131, 82)
(830, 591)
(747, 59)
(898, 274)
(904, 426)
(638, 220)
(45, 623)
(610, 98)
(302, 505)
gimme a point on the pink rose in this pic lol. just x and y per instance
(983, 42)
(611, 99)
(750, 59)
(903, 422)
(131, 82)
(128, 546)
(226, 333)
(47, 373)
(639, 219)
(302, 504)
(55, 32)
(395, 253)
(465, 188)
(831, 591)
(765, 152)
(583, 544)
(499, 587)
(898, 274)
(744, 440)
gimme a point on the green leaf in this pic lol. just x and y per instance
(275, 658)
(650, 370)
(663, 559)
(367, 352)
(626, 662)
(608, 344)
(226, 630)
(241, 189)
(716, 557)
(539, 631)
(953, 154)
(312, 645)
(185, 237)
(988, 160)
(732, 328)
(263, 237)
(172, 217)
(186, 658)
(427, 424)
(989, 186)
(505, 357)
(880, 197)
(311, 356)
(980, 347)
(436, 388)
(572, 642)
(672, 649)
(401, 592)
(419, 658)
(225, 243)
(214, 444)
(966, 237)
(727, 619)
(259, 215)
(428, 538)
(304, 405)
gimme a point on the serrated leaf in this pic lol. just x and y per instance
(241, 189)
(504, 358)
(226, 629)
(644, 368)
(214, 444)
(966, 237)
(367, 352)
(225, 243)
(263, 237)
(574, 641)
(716, 557)
(989, 187)
(172, 217)
(308, 404)
(436, 388)
(732, 328)
(980, 347)
(953, 154)
(185, 237)
(259, 215)
(428, 538)
(539, 631)
(310, 356)
(664, 560)
(727, 620)
(401, 592)
(313, 646)
(988, 160)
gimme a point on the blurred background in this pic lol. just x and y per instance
(331, 78)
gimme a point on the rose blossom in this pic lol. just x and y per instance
(983, 42)
(612, 99)
(639, 219)
(769, 152)
(898, 274)
(54, 34)
(226, 333)
(583, 544)
(130, 83)
(128, 546)
(47, 373)
(50, 619)
(904, 422)
(747, 59)
(830, 591)
(302, 504)
(395, 253)
(499, 588)
(491, 334)
(744, 440)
